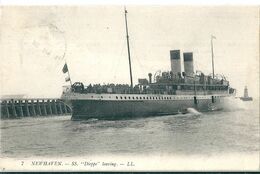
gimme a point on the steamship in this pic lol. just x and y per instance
(163, 93)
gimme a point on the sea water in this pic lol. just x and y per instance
(235, 130)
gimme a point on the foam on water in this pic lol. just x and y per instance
(235, 104)
(92, 120)
(193, 111)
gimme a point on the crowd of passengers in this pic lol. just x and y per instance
(137, 89)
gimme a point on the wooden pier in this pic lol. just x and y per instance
(18, 108)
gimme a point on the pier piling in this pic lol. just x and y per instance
(54, 107)
(33, 108)
(60, 108)
(49, 106)
(39, 108)
(27, 109)
(19, 108)
(7, 109)
(65, 108)
(44, 108)
(14, 114)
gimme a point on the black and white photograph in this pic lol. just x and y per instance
(125, 87)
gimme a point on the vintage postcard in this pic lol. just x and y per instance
(129, 88)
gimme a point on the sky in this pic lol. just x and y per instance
(37, 40)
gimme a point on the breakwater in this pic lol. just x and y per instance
(18, 108)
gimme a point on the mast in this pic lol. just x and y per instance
(128, 49)
(212, 54)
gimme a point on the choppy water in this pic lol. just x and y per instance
(236, 130)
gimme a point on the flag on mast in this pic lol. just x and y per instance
(65, 68)
(67, 79)
(213, 37)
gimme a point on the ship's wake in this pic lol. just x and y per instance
(193, 111)
(189, 111)
(91, 120)
(234, 104)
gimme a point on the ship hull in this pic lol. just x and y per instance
(114, 110)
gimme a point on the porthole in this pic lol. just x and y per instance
(125, 97)
(129, 97)
(121, 97)
(116, 97)
(91, 96)
(143, 97)
(101, 96)
(133, 97)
